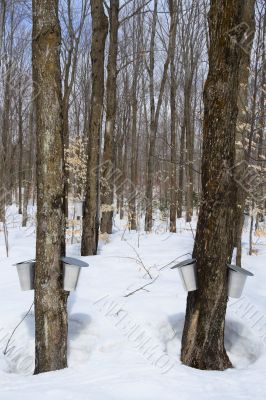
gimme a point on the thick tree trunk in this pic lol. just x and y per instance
(91, 210)
(203, 335)
(107, 188)
(50, 299)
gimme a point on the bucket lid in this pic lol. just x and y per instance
(189, 261)
(239, 269)
(24, 262)
(74, 261)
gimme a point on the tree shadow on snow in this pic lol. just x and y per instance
(177, 323)
(242, 345)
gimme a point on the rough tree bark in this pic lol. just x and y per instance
(91, 213)
(50, 299)
(203, 335)
(107, 190)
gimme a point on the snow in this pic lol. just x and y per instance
(129, 347)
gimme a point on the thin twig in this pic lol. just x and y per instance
(6, 348)
(139, 258)
(142, 287)
(167, 265)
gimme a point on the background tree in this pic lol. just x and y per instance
(173, 87)
(91, 209)
(154, 113)
(107, 190)
(243, 126)
(70, 62)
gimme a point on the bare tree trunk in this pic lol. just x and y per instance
(122, 154)
(241, 130)
(20, 145)
(137, 46)
(2, 202)
(152, 130)
(250, 251)
(6, 142)
(154, 115)
(133, 161)
(50, 298)
(74, 35)
(2, 24)
(203, 335)
(29, 171)
(261, 129)
(181, 174)
(173, 88)
(107, 189)
(189, 146)
(91, 212)
(119, 162)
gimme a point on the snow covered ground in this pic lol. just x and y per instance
(127, 346)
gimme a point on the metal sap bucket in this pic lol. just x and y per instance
(26, 271)
(78, 207)
(71, 272)
(188, 273)
(236, 280)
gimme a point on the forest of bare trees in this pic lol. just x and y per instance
(141, 111)
(154, 72)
